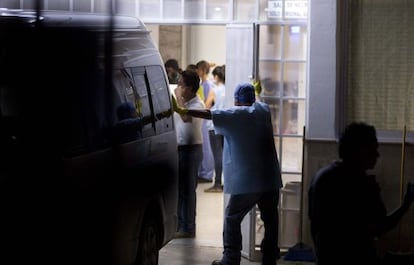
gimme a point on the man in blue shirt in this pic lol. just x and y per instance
(251, 171)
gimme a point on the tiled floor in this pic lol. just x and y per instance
(207, 245)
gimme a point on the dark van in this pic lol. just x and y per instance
(88, 171)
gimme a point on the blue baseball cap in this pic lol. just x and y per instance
(244, 93)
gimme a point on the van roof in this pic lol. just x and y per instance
(75, 19)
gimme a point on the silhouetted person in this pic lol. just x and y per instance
(346, 210)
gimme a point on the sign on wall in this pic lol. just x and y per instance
(294, 9)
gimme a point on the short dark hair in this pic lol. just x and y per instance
(173, 63)
(191, 79)
(220, 71)
(356, 136)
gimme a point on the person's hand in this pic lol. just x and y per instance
(257, 87)
(177, 108)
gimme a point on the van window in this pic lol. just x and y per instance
(160, 98)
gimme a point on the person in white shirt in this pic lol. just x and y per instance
(190, 152)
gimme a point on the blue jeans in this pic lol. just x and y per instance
(238, 206)
(216, 143)
(189, 159)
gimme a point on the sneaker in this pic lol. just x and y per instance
(182, 234)
(214, 189)
(216, 262)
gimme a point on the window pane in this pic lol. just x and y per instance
(172, 9)
(29, 4)
(293, 178)
(270, 76)
(270, 42)
(81, 5)
(58, 5)
(245, 10)
(274, 106)
(193, 9)
(126, 7)
(295, 42)
(149, 9)
(295, 80)
(291, 154)
(293, 116)
(217, 9)
(11, 4)
(102, 7)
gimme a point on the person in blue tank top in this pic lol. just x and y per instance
(251, 171)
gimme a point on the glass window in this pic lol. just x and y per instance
(194, 9)
(81, 5)
(294, 77)
(295, 42)
(217, 10)
(127, 125)
(274, 105)
(142, 99)
(291, 157)
(292, 178)
(29, 4)
(160, 98)
(12, 4)
(172, 9)
(127, 7)
(270, 41)
(245, 10)
(270, 76)
(59, 5)
(293, 116)
(149, 9)
(101, 6)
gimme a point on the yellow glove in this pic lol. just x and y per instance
(177, 108)
(257, 87)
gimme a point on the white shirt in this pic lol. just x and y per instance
(220, 92)
(189, 133)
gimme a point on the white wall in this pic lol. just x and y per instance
(154, 33)
(322, 91)
(206, 42)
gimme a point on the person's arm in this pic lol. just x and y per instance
(198, 113)
(210, 99)
(392, 219)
